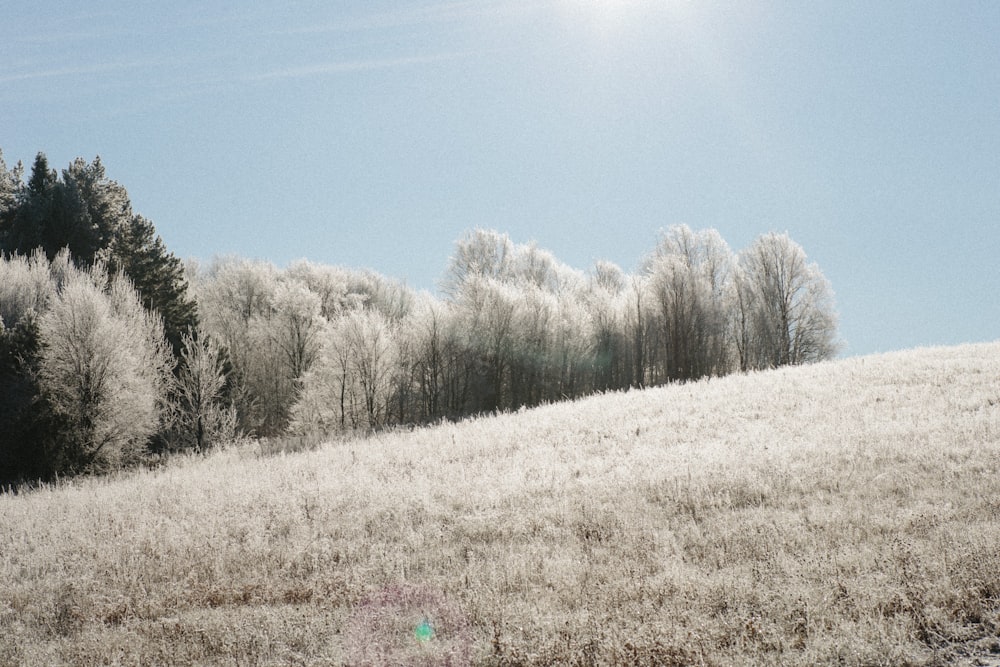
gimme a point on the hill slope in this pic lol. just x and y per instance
(842, 513)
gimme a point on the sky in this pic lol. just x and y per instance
(374, 134)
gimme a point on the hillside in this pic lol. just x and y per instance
(842, 513)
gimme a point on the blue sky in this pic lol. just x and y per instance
(373, 134)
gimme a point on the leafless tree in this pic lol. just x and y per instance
(789, 304)
(201, 417)
(691, 285)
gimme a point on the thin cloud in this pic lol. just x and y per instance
(61, 37)
(436, 13)
(75, 70)
(347, 66)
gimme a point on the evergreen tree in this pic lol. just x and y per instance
(25, 223)
(92, 216)
(10, 191)
(23, 454)
(96, 209)
(79, 211)
(158, 276)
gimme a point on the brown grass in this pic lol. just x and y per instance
(846, 513)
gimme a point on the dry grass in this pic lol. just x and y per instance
(846, 513)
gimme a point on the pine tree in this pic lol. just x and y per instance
(81, 211)
(10, 190)
(158, 276)
(25, 223)
(25, 418)
(95, 207)
(92, 216)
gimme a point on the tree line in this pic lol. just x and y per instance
(111, 348)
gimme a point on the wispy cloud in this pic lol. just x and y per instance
(70, 70)
(441, 12)
(44, 39)
(347, 66)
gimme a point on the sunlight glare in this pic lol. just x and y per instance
(608, 17)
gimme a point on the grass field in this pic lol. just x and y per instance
(846, 513)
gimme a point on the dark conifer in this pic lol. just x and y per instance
(92, 216)
(158, 276)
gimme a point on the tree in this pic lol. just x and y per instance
(157, 274)
(23, 415)
(606, 301)
(332, 284)
(351, 385)
(531, 359)
(487, 307)
(746, 322)
(201, 417)
(82, 211)
(637, 322)
(789, 304)
(296, 322)
(96, 212)
(11, 189)
(328, 399)
(571, 354)
(26, 220)
(369, 337)
(432, 327)
(26, 286)
(690, 276)
(103, 369)
(26, 289)
(235, 297)
(482, 253)
(91, 215)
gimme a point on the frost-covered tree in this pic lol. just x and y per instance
(482, 253)
(571, 354)
(487, 307)
(331, 284)
(746, 323)
(236, 298)
(277, 325)
(606, 301)
(91, 216)
(439, 366)
(691, 283)
(296, 321)
(103, 369)
(10, 191)
(788, 304)
(201, 416)
(532, 350)
(373, 291)
(26, 286)
(326, 402)
(351, 386)
(96, 211)
(370, 338)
